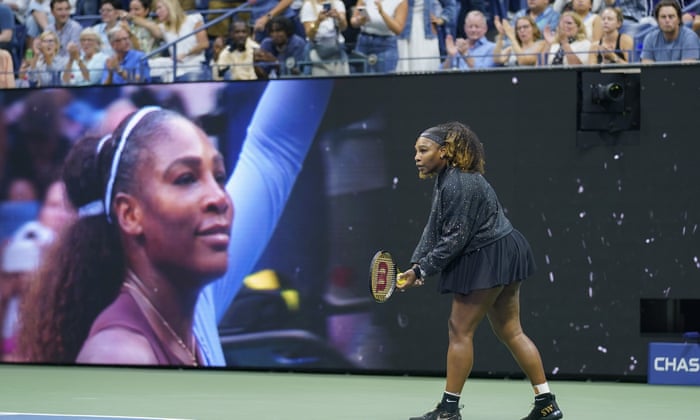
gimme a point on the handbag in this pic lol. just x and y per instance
(328, 48)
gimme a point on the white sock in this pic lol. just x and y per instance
(541, 388)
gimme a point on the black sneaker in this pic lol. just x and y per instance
(545, 409)
(439, 414)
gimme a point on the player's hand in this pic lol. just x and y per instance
(408, 279)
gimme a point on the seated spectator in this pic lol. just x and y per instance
(126, 65)
(569, 44)
(614, 47)
(86, 62)
(236, 61)
(67, 29)
(636, 14)
(561, 6)
(541, 13)
(475, 52)
(379, 23)
(282, 51)
(173, 24)
(45, 67)
(671, 41)
(38, 19)
(140, 12)
(109, 16)
(526, 43)
(324, 24)
(591, 21)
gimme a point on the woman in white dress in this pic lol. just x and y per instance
(418, 45)
(85, 62)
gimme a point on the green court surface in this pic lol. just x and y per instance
(178, 394)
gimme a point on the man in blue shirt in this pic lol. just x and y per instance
(126, 65)
(541, 12)
(474, 52)
(67, 29)
(671, 41)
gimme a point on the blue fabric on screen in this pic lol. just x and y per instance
(271, 158)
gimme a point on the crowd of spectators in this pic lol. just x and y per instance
(59, 42)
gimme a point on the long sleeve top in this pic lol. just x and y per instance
(465, 216)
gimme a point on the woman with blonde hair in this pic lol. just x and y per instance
(85, 62)
(45, 67)
(569, 45)
(526, 43)
(173, 24)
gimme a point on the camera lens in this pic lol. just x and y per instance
(611, 92)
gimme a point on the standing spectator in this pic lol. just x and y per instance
(7, 27)
(563, 5)
(19, 9)
(419, 49)
(526, 43)
(173, 24)
(614, 47)
(67, 29)
(541, 12)
(324, 24)
(38, 19)
(591, 20)
(264, 10)
(282, 47)
(380, 22)
(109, 14)
(45, 67)
(236, 61)
(671, 41)
(475, 52)
(568, 44)
(85, 63)
(126, 65)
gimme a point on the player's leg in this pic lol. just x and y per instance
(504, 317)
(466, 314)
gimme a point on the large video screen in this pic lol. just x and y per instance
(321, 175)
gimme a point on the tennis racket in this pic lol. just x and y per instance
(383, 274)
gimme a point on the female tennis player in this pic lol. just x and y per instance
(482, 260)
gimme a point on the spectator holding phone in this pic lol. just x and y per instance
(380, 22)
(324, 24)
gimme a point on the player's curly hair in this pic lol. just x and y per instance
(463, 149)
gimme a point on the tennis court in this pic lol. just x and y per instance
(178, 394)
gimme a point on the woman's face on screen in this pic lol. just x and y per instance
(186, 211)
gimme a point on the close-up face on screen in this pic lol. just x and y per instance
(233, 224)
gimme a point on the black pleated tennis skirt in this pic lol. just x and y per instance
(503, 262)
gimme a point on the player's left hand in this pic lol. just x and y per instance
(408, 279)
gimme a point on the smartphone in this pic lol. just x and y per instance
(327, 7)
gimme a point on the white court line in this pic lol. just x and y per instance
(81, 416)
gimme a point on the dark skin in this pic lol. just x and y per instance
(500, 304)
(181, 202)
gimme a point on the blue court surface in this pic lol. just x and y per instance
(71, 393)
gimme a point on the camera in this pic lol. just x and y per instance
(610, 92)
(327, 7)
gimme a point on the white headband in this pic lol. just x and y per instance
(95, 208)
(118, 154)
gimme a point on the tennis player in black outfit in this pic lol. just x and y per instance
(482, 261)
